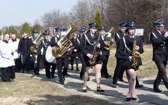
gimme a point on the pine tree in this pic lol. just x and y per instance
(36, 27)
(12, 30)
(98, 19)
(26, 29)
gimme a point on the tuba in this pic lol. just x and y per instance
(108, 39)
(33, 48)
(66, 43)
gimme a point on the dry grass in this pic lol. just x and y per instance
(29, 91)
(146, 70)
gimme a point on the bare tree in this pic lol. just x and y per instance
(84, 11)
(55, 18)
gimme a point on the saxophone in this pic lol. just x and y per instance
(108, 39)
(135, 54)
(33, 48)
(66, 43)
(95, 53)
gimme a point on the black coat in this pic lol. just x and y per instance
(24, 46)
(127, 42)
(160, 46)
(118, 38)
(43, 46)
(89, 43)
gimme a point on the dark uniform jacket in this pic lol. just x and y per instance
(73, 47)
(118, 38)
(160, 46)
(81, 42)
(126, 48)
(89, 44)
(43, 47)
(90, 41)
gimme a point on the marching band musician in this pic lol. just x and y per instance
(6, 60)
(24, 51)
(126, 49)
(119, 70)
(34, 54)
(62, 61)
(81, 42)
(42, 50)
(106, 53)
(91, 38)
(74, 52)
(159, 40)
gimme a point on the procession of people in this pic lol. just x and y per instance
(89, 46)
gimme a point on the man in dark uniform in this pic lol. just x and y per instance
(42, 51)
(159, 40)
(62, 61)
(33, 54)
(81, 42)
(106, 53)
(119, 70)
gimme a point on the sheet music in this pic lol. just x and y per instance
(139, 32)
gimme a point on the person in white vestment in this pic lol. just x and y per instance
(6, 59)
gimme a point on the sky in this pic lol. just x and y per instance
(16, 12)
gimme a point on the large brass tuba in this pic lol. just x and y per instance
(33, 48)
(109, 39)
(66, 43)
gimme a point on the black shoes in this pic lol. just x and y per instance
(52, 76)
(114, 85)
(131, 98)
(139, 86)
(121, 80)
(88, 79)
(77, 69)
(157, 90)
(66, 74)
(36, 73)
(107, 76)
(99, 89)
(62, 82)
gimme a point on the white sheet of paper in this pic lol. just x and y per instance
(139, 32)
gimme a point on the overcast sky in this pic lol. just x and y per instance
(16, 12)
